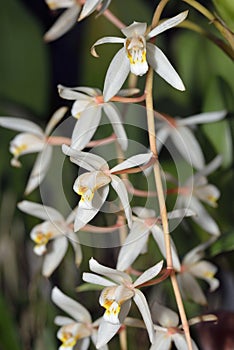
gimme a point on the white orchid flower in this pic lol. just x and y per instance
(55, 231)
(180, 133)
(75, 11)
(117, 295)
(88, 109)
(137, 54)
(145, 223)
(193, 267)
(196, 190)
(168, 330)
(93, 186)
(78, 328)
(32, 139)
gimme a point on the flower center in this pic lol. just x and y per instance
(112, 311)
(136, 52)
(17, 150)
(68, 339)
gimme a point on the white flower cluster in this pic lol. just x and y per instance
(51, 237)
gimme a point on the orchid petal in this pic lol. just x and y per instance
(159, 238)
(94, 340)
(83, 343)
(106, 331)
(63, 320)
(209, 168)
(54, 255)
(76, 93)
(165, 316)
(161, 137)
(95, 279)
(65, 22)
(205, 270)
(25, 143)
(150, 273)
(132, 246)
(180, 341)
(190, 288)
(188, 146)
(114, 117)
(161, 341)
(84, 215)
(80, 105)
(202, 118)
(88, 8)
(159, 62)
(144, 213)
(40, 211)
(86, 127)
(76, 247)
(122, 192)
(132, 162)
(22, 125)
(58, 4)
(115, 275)
(86, 160)
(134, 29)
(116, 75)
(55, 119)
(143, 307)
(203, 219)
(167, 24)
(39, 170)
(70, 306)
(106, 40)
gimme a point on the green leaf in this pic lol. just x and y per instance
(226, 11)
(23, 59)
(9, 337)
(218, 97)
(224, 244)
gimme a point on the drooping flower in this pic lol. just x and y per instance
(180, 133)
(195, 190)
(193, 267)
(145, 223)
(93, 186)
(117, 295)
(78, 328)
(32, 139)
(168, 330)
(51, 237)
(138, 54)
(88, 108)
(74, 12)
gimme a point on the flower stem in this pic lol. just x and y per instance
(162, 204)
(222, 28)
